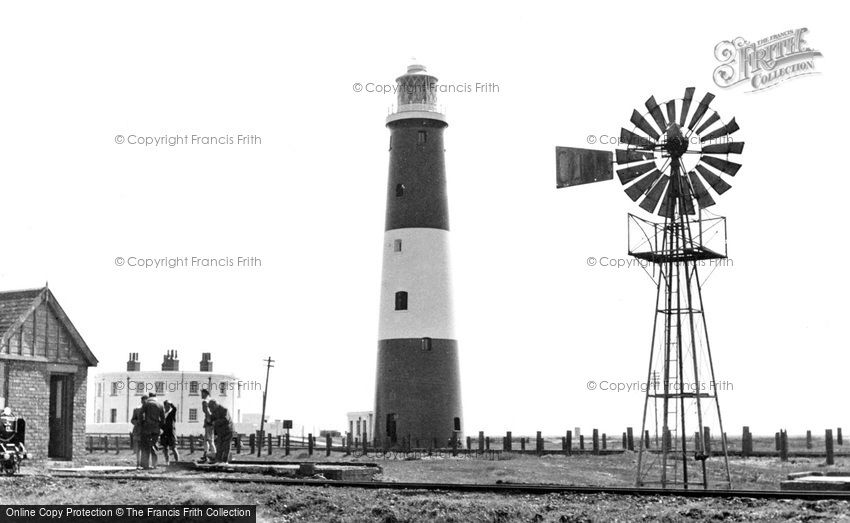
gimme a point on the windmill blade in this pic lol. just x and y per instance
(727, 129)
(715, 181)
(629, 138)
(671, 111)
(687, 198)
(630, 155)
(686, 104)
(651, 201)
(702, 107)
(703, 197)
(640, 187)
(641, 123)
(656, 113)
(730, 168)
(724, 148)
(667, 204)
(707, 123)
(630, 173)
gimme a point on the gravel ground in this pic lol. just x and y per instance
(297, 503)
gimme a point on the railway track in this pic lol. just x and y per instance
(495, 488)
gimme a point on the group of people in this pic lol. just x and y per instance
(218, 430)
(153, 427)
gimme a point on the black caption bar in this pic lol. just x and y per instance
(129, 513)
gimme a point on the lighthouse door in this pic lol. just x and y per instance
(391, 428)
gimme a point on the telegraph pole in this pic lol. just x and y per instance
(269, 365)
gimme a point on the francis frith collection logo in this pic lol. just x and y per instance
(765, 63)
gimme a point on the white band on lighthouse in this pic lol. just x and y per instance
(416, 261)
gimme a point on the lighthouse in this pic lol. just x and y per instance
(417, 391)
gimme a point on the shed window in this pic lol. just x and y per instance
(401, 301)
(457, 424)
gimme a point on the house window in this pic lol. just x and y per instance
(423, 137)
(222, 388)
(193, 415)
(193, 388)
(113, 415)
(426, 343)
(399, 190)
(396, 245)
(99, 390)
(159, 387)
(114, 391)
(97, 417)
(401, 301)
(139, 387)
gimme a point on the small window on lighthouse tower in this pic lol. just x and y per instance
(397, 245)
(423, 137)
(401, 301)
(426, 344)
(399, 190)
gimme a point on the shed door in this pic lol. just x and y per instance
(61, 416)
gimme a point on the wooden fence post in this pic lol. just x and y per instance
(239, 443)
(508, 445)
(830, 458)
(328, 444)
(286, 443)
(310, 444)
(252, 442)
(604, 441)
(706, 431)
(783, 445)
(539, 443)
(522, 444)
(270, 445)
(487, 443)
(631, 438)
(454, 443)
(480, 441)
(581, 441)
(808, 439)
(596, 441)
(839, 438)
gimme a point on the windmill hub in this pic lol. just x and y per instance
(676, 144)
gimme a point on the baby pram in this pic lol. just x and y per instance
(12, 449)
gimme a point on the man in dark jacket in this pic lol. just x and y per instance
(136, 420)
(152, 417)
(223, 427)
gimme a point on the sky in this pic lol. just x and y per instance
(534, 321)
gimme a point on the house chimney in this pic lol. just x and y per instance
(133, 362)
(206, 362)
(170, 361)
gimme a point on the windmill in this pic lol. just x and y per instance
(674, 162)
